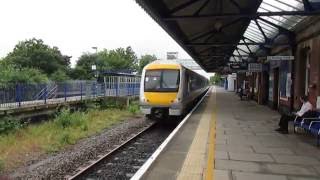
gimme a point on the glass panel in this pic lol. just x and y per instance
(152, 80)
(170, 79)
(288, 22)
(161, 81)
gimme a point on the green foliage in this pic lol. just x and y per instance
(33, 53)
(118, 59)
(59, 76)
(65, 138)
(67, 119)
(83, 67)
(9, 124)
(216, 79)
(144, 60)
(10, 74)
(134, 108)
(89, 105)
(52, 136)
(1, 165)
(32, 61)
(111, 103)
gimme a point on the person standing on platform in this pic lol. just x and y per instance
(241, 93)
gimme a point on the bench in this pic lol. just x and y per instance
(313, 128)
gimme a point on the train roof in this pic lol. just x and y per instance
(167, 64)
(164, 64)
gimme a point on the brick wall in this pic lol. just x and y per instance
(308, 43)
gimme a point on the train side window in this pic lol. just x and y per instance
(193, 83)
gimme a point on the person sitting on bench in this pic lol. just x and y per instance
(283, 123)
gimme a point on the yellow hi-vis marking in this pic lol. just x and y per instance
(209, 174)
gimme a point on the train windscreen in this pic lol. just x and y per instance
(161, 81)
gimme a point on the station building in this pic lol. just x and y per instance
(290, 72)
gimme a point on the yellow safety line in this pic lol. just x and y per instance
(209, 174)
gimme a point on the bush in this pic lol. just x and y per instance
(9, 124)
(134, 108)
(11, 74)
(111, 103)
(90, 105)
(67, 119)
(59, 76)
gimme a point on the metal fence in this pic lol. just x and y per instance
(21, 95)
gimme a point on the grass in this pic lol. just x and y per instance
(51, 136)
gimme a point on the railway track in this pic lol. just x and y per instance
(133, 157)
(124, 160)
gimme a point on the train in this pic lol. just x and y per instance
(168, 88)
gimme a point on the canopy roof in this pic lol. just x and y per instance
(217, 32)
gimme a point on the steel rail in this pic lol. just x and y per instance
(94, 163)
(144, 168)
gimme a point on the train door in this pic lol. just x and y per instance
(186, 86)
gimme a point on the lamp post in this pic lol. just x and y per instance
(95, 85)
(95, 70)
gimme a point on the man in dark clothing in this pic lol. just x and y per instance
(241, 93)
(302, 113)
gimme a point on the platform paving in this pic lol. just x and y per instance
(185, 157)
(244, 145)
(248, 148)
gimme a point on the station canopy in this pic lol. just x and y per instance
(216, 33)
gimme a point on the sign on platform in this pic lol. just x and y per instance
(280, 58)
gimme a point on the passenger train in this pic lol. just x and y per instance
(168, 88)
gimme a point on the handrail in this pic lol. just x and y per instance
(26, 94)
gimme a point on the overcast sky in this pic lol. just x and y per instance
(77, 25)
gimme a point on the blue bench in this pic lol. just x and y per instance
(313, 127)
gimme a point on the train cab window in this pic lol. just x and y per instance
(170, 79)
(162, 81)
(152, 80)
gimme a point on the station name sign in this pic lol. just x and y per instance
(280, 58)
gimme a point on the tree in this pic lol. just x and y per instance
(59, 76)
(118, 60)
(81, 73)
(83, 67)
(33, 53)
(144, 60)
(11, 75)
(216, 79)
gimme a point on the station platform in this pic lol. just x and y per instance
(229, 139)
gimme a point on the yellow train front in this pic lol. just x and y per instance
(168, 89)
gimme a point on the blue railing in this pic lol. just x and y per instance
(21, 95)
